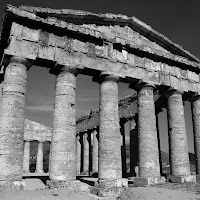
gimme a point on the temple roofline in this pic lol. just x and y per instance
(86, 17)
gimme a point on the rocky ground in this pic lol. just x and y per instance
(167, 191)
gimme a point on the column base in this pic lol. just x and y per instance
(70, 185)
(139, 181)
(109, 187)
(15, 185)
(182, 179)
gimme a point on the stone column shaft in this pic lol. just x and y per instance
(179, 159)
(78, 154)
(109, 131)
(86, 154)
(123, 147)
(12, 123)
(26, 159)
(95, 152)
(148, 143)
(63, 142)
(196, 128)
(39, 161)
(133, 147)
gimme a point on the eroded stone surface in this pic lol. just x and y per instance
(95, 152)
(12, 121)
(109, 130)
(196, 127)
(26, 158)
(179, 159)
(78, 155)
(39, 161)
(86, 154)
(63, 142)
(148, 142)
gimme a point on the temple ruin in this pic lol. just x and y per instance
(110, 48)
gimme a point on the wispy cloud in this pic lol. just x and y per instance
(39, 108)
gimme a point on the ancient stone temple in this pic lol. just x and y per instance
(110, 48)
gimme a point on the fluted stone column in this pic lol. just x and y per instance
(39, 161)
(86, 154)
(110, 169)
(196, 127)
(63, 142)
(26, 159)
(133, 147)
(149, 167)
(179, 159)
(12, 123)
(95, 152)
(78, 155)
(123, 147)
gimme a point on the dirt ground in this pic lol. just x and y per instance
(159, 192)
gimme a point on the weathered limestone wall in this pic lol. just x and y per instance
(36, 131)
(107, 56)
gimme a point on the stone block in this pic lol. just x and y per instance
(107, 192)
(70, 185)
(182, 179)
(108, 183)
(139, 181)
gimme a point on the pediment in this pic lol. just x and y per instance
(117, 29)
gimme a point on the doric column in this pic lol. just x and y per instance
(78, 155)
(12, 123)
(39, 161)
(26, 159)
(196, 127)
(149, 167)
(63, 142)
(133, 146)
(86, 154)
(110, 169)
(95, 152)
(179, 159)
(123, 146)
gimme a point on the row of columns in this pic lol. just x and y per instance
(87, 153)
(26, 157)
(63, 156)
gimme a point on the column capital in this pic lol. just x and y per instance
(172, 91)
(106, 76)
(63, 69)
(141, 85)
(20, 60)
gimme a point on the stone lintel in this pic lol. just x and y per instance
(183, 179)
(139, 181)
(70, 185)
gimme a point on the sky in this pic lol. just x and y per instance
(177, 19)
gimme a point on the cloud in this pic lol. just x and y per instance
(39, 108)
(87, 99)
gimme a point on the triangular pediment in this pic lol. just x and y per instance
(128, 32)
(119, 28)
